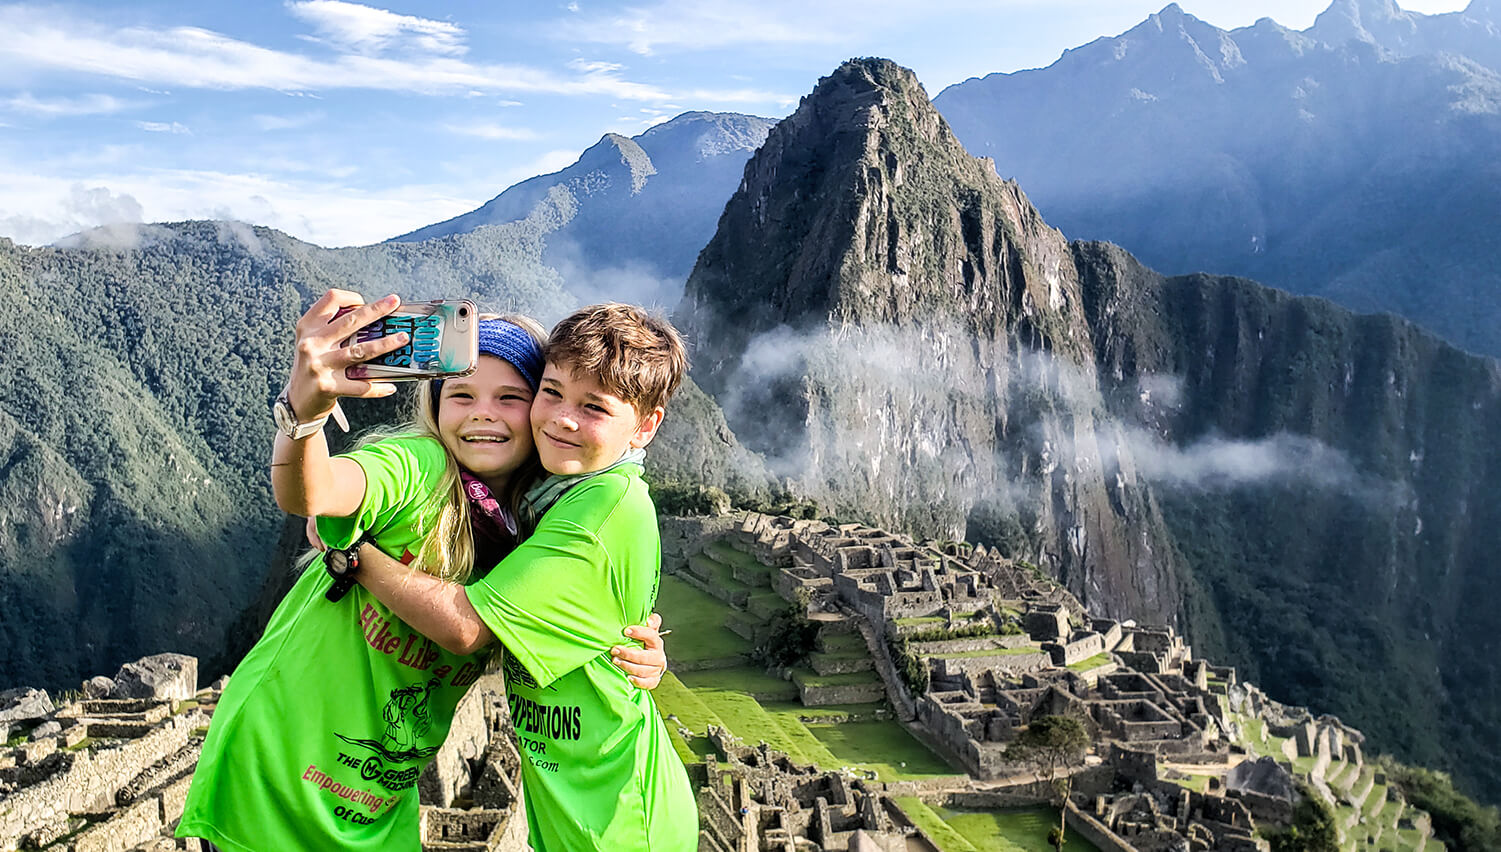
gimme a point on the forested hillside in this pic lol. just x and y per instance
(135, 513)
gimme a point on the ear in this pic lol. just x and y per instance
(648, 428)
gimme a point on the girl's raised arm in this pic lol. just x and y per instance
(305, 480)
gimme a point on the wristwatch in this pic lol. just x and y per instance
(343, 565)
(287, 422)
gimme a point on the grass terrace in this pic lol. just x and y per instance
(697, 621)
(932, 824)
(1090, 664)
(990, 652)
(1011, 831)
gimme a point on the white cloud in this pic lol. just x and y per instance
(313, 205)
(286, 122)
(369, 31)
(65, 107)
(162, 127)
(492, 131)
(192, 57)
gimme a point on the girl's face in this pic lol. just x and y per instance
(484, 420)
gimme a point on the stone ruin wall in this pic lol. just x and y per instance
(111, 774)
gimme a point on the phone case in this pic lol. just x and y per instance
(444, 342)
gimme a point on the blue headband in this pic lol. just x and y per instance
(510, 343)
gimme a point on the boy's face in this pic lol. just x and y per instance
(579, 427)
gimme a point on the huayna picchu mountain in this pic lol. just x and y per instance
(1307, 492)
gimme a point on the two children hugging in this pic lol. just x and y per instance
(322, 731)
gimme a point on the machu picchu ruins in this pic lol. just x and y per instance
(893, 730)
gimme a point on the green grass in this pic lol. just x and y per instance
(1011, 831)
(921, 620)
(727, 555)
(925, 818)
(828, 713)
(990, 652)
(837, 643)
(879, 746)
(697, 621)
(1196, 783)
(718, 573)
(811, 678)
(1090, 664)
(751, 681)
(674, 699)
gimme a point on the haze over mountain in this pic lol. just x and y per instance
(634, 211)
(1359, 159)
(1310, 493)
(135, 512)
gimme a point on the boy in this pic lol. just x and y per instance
(599, 770)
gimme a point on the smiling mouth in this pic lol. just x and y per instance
(559, 441)
(484, 439)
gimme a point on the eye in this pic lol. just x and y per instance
(596, 408)
(551, 392)
(511, 397)
(460, 395)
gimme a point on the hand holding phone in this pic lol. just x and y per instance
(442, 341)
(320, 355)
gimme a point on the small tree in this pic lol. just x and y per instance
(1049, 744)
(1312, 829)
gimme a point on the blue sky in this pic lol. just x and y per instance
(345, 124)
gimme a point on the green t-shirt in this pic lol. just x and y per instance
(599, 771)
(319, 738)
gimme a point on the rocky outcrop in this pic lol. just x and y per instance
(901, 334)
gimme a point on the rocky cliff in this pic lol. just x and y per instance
(901, 334)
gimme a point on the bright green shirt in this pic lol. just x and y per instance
(322, 731)
(599, 772)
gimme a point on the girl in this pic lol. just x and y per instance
(320, 736)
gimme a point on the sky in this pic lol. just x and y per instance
(342, 123)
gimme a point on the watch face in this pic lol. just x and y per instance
(337, 562)
(282, 414)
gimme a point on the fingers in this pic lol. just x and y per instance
(646, 635)
(326, 307)
(654, 621)
(365, 350)
(362, 316)
(360, 389)
(643, 669)
(312, 535)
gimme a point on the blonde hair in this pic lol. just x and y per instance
(447, 550)
(636, 355)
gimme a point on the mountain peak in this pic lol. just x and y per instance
(613, 151)
(1379, 22)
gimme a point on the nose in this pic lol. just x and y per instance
(567, 421)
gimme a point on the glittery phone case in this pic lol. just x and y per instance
(444, 342)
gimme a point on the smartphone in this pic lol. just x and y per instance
(444, 342)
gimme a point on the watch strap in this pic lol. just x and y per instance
(349, 559)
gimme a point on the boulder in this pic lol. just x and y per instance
(158, 677)
(23, 704)
(1265, 776)
(98, 686)
(46, 729)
